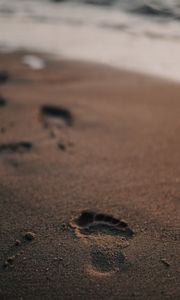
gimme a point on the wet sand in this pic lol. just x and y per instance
(90, 182)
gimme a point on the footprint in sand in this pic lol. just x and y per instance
(16, 147)
(105, 236)
(105, 261)
(55, 118)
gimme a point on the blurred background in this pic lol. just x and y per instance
(136, 35)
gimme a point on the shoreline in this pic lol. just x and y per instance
(95, 35)
(53, 57)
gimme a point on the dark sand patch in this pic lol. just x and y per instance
(4, 77)
(61, 146)
(3, 101)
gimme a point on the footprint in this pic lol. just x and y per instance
(105, 261)
(55, 118)
(56, 114)
(105, 236)
(90, 222)
(17, 147)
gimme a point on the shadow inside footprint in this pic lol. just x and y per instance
(20, 147)
(90, 222)
(56, 112)
(3, 101)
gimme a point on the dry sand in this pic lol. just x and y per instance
(76, 137)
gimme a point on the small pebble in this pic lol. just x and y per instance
(17, 242)
(63, 225)
(29, 236)
(165, 262)
(9, 261)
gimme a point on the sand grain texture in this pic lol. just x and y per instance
(119, 133)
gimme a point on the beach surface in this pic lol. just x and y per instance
(90, 182)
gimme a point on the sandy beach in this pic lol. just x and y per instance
(90, 182)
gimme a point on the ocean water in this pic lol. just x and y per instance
(158, 8)
(136, 35)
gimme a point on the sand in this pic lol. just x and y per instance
(90, 182)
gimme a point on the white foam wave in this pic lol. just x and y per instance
(92, 34)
